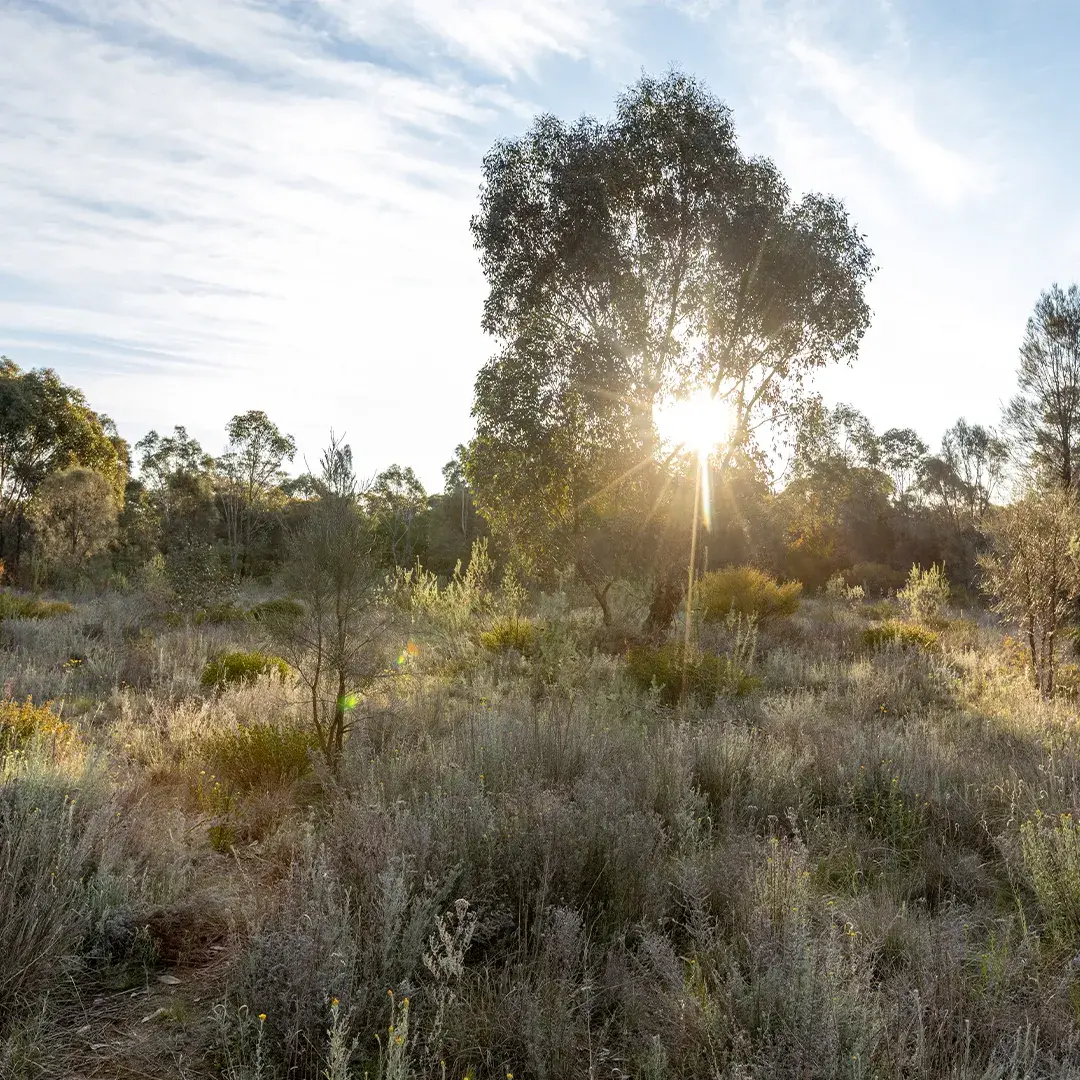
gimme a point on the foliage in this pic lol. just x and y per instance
(513, 632)
(901, 634)
(453, 522)
(47, 427)
(197, 576)
(1067, 680)
(43, 910)
(336, 645)
(902, 455)
(627, 259)
(745, 590)
(836, 588)
(178, 511)
(250, 473)
(1032, 573)
(260, 757)
(21, 606)
(23, 722)
(963, 479)
(396, 501)
(835, 508)
(1044, 416)
(162, 457)
(220, 614)
(876, 579)
(74, 514)
(671, 669)
(925, 598)
(241, 668)
(1051, 851)
(282, 609)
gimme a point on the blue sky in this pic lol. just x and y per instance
(208, 206)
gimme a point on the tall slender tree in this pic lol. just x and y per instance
(1044, 416)
(250, 471)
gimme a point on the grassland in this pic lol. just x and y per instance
(855, 861)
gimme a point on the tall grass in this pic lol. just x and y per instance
(858, 869)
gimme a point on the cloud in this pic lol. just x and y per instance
(875, 107)
(507, 37)
(279, 201)
(847, 73)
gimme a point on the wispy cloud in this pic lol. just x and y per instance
(875, 105)
(847, 69)
(213, 205)
(272, 196)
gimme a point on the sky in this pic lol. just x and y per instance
(210, 206)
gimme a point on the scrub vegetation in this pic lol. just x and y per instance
(621, 756)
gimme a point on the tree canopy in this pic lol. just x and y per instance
(46, 426)
(1045, 413)
(628, 260)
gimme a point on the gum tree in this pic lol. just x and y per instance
(626, 260)
(250, 473)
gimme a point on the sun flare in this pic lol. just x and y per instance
(700, 422)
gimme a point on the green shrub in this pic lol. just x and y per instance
(926, 595)
(18, 606)
(260, 757)
(220, 614)
(706, 674)
(513, 632)
(837, 588)
(279, 610)
(903, 634)
(238, 668)
(1051, 852)
(745, 590)
(881, 610)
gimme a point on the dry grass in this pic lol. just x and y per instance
(859, 869)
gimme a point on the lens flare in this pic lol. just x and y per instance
(700, 422)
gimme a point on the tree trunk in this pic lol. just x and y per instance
(1048, 663)
(337, 733)
(666, 598)
(1033, 650)
(599, 592)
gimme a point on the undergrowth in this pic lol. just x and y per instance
(851, 856)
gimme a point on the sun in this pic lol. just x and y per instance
(700, 422)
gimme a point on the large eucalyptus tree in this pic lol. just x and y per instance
(628, 260)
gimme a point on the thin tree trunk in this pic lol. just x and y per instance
(1033, 649)
(599, 592)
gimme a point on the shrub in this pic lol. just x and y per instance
(281, 609)
(24, 722)
(1051, 854)
(706, 674)
(220, 614)
(260, 757)
(745, 590)
(239, 668)
(43, 861)
(905, 635)
(513, 632)
(926, 595)
(876, 579)
(16, 606)
(836, 588)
